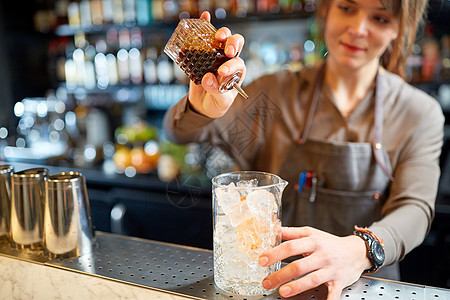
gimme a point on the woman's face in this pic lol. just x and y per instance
(357, 32)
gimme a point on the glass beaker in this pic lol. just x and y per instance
(247, 222)
(194, 48)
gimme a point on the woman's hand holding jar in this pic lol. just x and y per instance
(206, 98)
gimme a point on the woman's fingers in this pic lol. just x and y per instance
(206, 98)
(215, 101)
(206, 16)
(209, 83)
(222, 34)
(234, 45)
(231, 66)
(298, 267)
(298, 242)
(304, 283)
(334, 291)
(328, 259)
(290, 233)
(285, 250)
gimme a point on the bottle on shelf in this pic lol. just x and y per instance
(78, 59)
(61, 59)
(143, 12)
(444, 73)
(113, 75)
(107, 11)
(89, 69)
(243, 8)
(97, 12)
(286, 6)
(118, 13)
(85, 14)
(222, 8)
(430, 55)
(70, 72)
(205, 5)
(136, 37)
(123, 65)
(188, 9)
(414, 64)
(129, 12)
(171, 10)
(309, 6)
(165, 69)
(101, 70)
(73, 14)
(264, 6)
(157, 7)
(60, 9)
(123, 56)
(135, 66)
(100, 64)
(150, 70)
(124, 38)
(112, 39)
(101, 46)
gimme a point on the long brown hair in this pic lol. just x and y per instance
(409, 14)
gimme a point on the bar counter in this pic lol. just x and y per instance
(123, 267)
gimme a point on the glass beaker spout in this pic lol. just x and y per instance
(282, 185)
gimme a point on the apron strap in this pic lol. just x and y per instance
(377, 144)
(312, 108)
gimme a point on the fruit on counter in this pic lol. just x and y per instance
(167, 157)
(152, 152)
(139, 161)
(140, 158)
(122, 158)
(136, 147)
(142, 162)
(139, 132)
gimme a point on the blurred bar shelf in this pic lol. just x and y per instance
(169, 25)
(156, 96)
(97, 176)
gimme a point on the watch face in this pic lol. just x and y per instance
(378, 253)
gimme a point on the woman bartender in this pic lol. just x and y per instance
(361, 143)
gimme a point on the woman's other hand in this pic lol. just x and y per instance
(327, 259)
(206, 98)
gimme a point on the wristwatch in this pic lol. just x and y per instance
(375, 248)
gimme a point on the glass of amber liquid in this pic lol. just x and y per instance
(195, 50)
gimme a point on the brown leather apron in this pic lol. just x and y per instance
(350, 180)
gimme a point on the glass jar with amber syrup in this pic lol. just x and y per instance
(195, 50)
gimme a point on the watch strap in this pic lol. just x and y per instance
(369, 238)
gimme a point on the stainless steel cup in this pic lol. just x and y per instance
(68, 230)
(27, 208)
(6, 172)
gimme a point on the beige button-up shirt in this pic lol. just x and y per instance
(258, 132)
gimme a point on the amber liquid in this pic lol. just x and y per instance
(196, 63)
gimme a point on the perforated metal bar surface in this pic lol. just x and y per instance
(189, 272)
